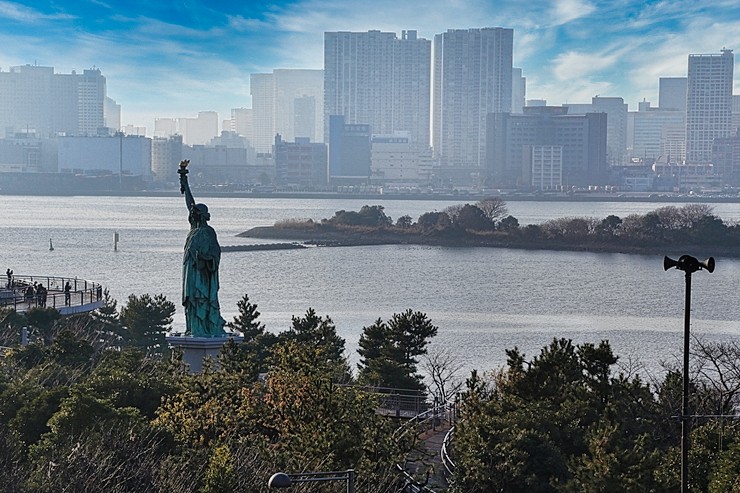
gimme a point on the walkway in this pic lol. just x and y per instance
(424, 470)
(84, 295)
(427, 457)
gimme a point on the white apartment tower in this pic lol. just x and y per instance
(35, 99)
(378, 79)
(472, 78)
(262, 90)
(708, 103)
(288, 102)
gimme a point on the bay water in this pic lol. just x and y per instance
(484, 300)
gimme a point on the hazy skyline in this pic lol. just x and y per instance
(173, 59)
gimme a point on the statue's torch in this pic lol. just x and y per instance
(183, 171)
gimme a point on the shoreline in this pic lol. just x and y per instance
(337, 238)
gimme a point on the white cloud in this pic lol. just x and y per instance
(564, 11)
(21, 13)
(574, 65)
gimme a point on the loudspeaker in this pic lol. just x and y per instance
(689, 263)
(669, 263)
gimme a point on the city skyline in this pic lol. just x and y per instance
(174, 60)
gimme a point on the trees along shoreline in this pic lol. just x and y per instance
(488, 224)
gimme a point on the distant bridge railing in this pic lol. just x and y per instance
(82, 295)
(399, 403)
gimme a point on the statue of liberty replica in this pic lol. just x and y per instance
(200, 269)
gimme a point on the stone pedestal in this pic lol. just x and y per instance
(196, 349)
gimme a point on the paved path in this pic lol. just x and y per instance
(426, 457)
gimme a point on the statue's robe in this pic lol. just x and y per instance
(200, 282)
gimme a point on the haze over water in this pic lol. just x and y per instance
(483, 300)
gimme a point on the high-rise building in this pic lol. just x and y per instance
(472, 78)
(726, 159)
(112, 114)
(34, 99)
(288, 102)
(617, 124)
(375, 78)
(199, 130)
(241, 122)
(166, 154)
(349, 151)
(518, 91)
(165, 127)
(708, 103)
(672, 93)
(616, 127)
(262, 89)
(735, 114)
(516, 143)
(650, 130)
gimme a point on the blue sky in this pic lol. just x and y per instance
(175, 58)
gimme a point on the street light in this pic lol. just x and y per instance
(282, 480)
(689, 265)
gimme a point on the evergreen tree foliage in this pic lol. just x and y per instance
(560, 422)
(146, 319)
(389, 350)
(246, 321)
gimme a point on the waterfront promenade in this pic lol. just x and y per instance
(82, 295)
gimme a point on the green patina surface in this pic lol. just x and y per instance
(200, 269)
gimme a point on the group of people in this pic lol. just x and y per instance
(37, 291)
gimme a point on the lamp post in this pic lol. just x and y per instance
(283, 480)
(689, 265)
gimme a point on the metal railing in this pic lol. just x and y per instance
(16, 293)
(400, 403)
(444, 453)
(427, 420)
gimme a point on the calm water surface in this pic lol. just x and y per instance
(483, 300)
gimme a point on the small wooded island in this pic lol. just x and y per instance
(487, 223)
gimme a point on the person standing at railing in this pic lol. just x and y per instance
(67, 294)
(9, 273)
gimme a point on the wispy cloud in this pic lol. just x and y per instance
(575, 65)
(564, 11)
(22, 13)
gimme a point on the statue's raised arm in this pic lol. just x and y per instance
(184, 186)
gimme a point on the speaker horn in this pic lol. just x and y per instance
(688, 263)
(669, 263)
